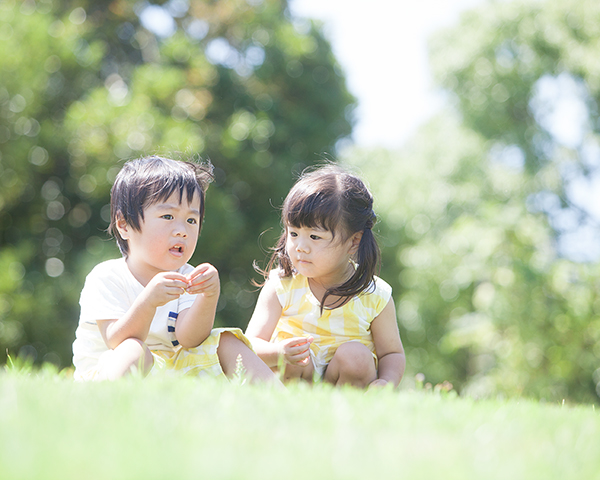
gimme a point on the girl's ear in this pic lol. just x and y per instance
(122, 226)
(355, 242)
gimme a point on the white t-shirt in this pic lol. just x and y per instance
(109, 291)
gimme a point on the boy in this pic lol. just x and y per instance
(150, 309)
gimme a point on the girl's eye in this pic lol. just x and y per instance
(315, 237)
(293, 234)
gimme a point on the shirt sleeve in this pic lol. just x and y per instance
(383, 292)
(280, 287)
(104, 296)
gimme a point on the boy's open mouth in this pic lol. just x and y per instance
(177, 249)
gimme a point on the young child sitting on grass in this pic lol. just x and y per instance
(323, 312)
(150, 309)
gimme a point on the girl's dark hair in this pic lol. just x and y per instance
(149, 180)
(331, 198)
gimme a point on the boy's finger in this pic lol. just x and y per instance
(198, 271)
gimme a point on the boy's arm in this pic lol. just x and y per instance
(135, 323)
(194, 324)
(390, 352)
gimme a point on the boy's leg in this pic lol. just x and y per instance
(131, 355)
(230, 347)
(353, 364)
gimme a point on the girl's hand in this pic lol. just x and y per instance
(296, 350)
(164, 287)
(205, 280)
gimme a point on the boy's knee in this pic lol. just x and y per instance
(228, 340)
(131, 355)
(141, 350)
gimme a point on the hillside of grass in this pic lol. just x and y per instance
(53, 428)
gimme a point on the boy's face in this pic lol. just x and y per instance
(167, 238)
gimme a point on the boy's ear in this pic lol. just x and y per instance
(355, 242)
(122, 226)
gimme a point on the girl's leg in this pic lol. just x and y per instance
(132, 355)
(230, 347)
(299, 372)
(352, 364)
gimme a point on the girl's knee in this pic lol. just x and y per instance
(298, 372)
(355, 360)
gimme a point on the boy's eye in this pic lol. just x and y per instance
(192, 221)
(167, 216)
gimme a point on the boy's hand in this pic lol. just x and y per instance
(296, 350)
(205, 280)
(164, 287)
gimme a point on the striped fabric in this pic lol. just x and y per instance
(200, 361)
(301, 317)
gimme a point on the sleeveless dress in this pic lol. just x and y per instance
(301, 317)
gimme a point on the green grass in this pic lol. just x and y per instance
(51, 427)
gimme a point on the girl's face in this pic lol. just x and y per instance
(316, 254)
(167, 237)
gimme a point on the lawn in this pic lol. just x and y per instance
(53, 428)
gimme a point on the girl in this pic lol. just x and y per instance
(322, 311)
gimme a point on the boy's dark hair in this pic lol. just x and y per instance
(331, 198)
(149, 180)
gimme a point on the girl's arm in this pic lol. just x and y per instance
(136, 322)
(262, 325)
(194, 324)
(388, 345)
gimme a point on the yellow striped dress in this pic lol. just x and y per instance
(301, 317)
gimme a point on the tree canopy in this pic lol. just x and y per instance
(86, 85)
(475, 209)
(525, 76)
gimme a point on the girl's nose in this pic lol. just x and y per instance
(302, 247)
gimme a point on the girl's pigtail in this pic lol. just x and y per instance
(368, 258)
(367, 263)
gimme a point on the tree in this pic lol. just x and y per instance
(476, 209)
(524, 75)
(483, 299)
(87, 85)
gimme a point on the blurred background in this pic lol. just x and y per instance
(475, 124)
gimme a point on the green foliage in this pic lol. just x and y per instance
(84, 87)
(499, 64)
(483, 300)
(216, 430)
(533, 316)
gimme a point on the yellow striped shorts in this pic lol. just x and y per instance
(199, 361)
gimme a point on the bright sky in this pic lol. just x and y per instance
(382, 46)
